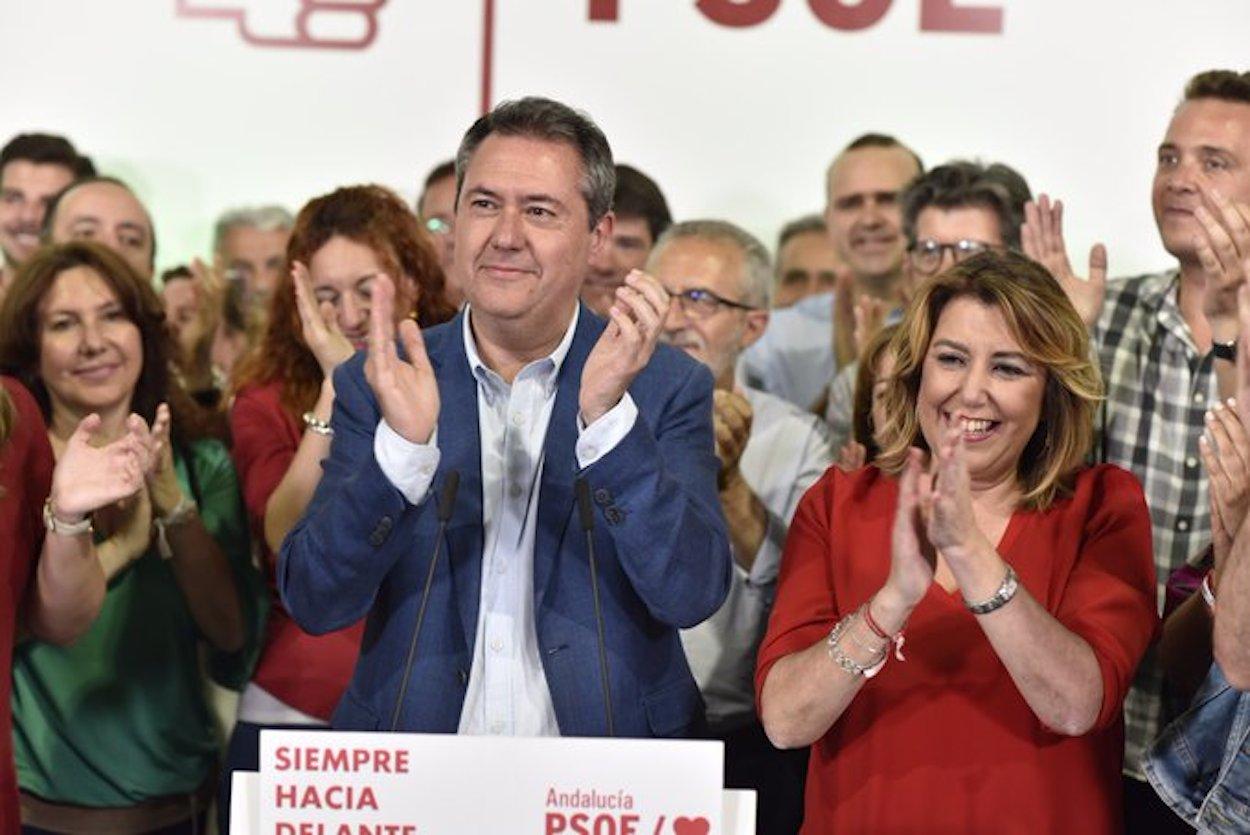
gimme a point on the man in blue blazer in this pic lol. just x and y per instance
(522, 394)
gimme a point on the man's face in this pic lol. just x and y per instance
(715, 337)
(438, 215)
(255, 257)
(523, 239)
(807, 264)
(946, 228)
(863, 216)
(26, 189)
(1207, 147)
(109, 214)
(631, 244)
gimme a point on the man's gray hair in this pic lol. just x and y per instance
(757, 269)
(540, 118)
(264, 218)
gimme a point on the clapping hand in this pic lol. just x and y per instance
(731, 421)
(851, 457)
(319, 323)
(626, 346)
(912, 557)
(406, 389)
(89, 477)
(1225, 450)
(1223, 248)
(1042, 238)
(162, 479)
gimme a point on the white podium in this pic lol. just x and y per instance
(317, 783)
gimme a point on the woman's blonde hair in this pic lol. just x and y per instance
(1051, 335)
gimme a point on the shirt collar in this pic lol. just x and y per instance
(546, 369)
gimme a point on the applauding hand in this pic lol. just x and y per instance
(319, 324)
(626, 345)
(1042, 238)
(912, 558)
(406, 389)
(1224, 250)
(89, 477)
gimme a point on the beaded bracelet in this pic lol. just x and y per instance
(846, 662)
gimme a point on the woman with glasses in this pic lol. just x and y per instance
(114, 732)
(956, 626)
(281, 426)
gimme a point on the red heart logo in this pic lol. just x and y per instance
(691, 826)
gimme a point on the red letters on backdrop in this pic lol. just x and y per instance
(844, 15)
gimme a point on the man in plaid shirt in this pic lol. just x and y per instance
(1164, 343)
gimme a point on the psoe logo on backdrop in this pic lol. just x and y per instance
(309, 24)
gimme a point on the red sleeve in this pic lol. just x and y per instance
(264, 446)
(26, 464)
(805, 609)
(1110, 598)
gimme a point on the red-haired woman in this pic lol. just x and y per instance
(280, 423)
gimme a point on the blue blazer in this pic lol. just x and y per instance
(661, 544)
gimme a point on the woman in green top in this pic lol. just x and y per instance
(114, 733)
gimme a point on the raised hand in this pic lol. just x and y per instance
(626, 345)
(406, 389)
(731, 421)
(162, 479)
(870, 316)
(912, 557)
(1042, 238)
(319, 323)
(951, 526)
(1224, 250)
(89, 477)
(1225, 450)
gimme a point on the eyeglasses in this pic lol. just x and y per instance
(438, 226)
(698, 303)
(926, 255)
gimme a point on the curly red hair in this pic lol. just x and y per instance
(370, 215)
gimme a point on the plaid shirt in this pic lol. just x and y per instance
(1158, 390)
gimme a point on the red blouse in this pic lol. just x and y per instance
(944, 742)
(306, 672)
(26, 464)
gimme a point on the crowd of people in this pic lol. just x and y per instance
(933, 531)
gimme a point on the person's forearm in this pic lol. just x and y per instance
(807, 692)
(68, 590)
(203, 573)
(1232, 613)
(747, 519)
(1054, 669)
(1185, 648)
(291, 497)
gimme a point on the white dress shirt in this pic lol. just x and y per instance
(787, 451)
(794, 358)
(507, 688)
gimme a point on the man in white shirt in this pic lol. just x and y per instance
(770, 452)
(529, 400)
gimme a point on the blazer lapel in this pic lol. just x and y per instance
(461, 449)
(555, 496)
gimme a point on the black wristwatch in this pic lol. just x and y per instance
(1225, 350)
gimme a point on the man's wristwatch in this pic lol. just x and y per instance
(1225, 350)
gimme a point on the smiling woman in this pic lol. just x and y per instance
(86, 335)
(1024, 581)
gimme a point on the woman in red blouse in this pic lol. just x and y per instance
(62, 598)
(280, 424)
(1021, 580)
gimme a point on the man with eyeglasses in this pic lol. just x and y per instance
(949, 214)
(436, 208)
(795, 359)
(719, 278)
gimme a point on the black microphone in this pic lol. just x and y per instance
(446, 503)
(587, 514)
